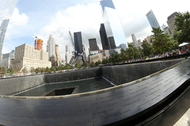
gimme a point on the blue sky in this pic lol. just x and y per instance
(57, 17)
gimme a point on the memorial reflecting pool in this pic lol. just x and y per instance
(68, 87)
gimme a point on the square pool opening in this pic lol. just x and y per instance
(57, 92)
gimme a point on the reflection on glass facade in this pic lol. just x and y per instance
(6, 10)
(112, 22)
(152, 19)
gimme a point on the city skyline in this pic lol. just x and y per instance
(30, 19)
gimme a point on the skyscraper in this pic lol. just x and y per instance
(68, 54)
(38, 44)
(93, 44)
(171, 22)
(6, 10)
(104, 38)
(58, 56)
(112, 22)
(111, 42)
(135, 42)
(78, 42)
(152, 19)
(123, 46)
(51, 47)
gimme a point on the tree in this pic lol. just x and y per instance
(67, 67)
(123, 55)
(16, 69)
(161, 41)
(104, 61)
(96, 63)
(140, 52)
(37, 70)
(42, 69)
(3, 70)
(86, 64)
(77, 65)
(47, 69)
(132, 52)
(147, 48)
(99, 62)
(182, 23)
(25, 70)
(92, 64)
(53, 69)
(10, 70)
(32, 69)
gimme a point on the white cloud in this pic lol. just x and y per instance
(84, 18)
(17, 24)
(18, 19)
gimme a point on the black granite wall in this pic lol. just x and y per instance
(127, 73)
(75, 75)
(123, 103)
(15, 85)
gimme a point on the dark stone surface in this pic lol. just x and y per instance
(75, 75)
(95, 109)
(81, 87)
(15, 85)
(127, 73)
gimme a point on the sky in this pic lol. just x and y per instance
(56, 17)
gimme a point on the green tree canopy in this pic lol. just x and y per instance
(86, 64)
(77, 65)
(25, 70)
(132, 52)
(147, 48)
(182, 23)
(32, 69)
(123, 55)
(67, 67)
(92, 64)
(3, 70)
(47, 69)
(10, 70)
(161, 41)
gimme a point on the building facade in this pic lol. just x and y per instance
(112, 22)
(93, 44)
(104, 38)
(124, 46)
(171, 22)
(149, 39)
(51, 47)
(78, 42)
(6, 10)
(152, 19)
(58, 56)
(27, 56)
(68, 54)
(111, 42)
(167, 30)
(6, 59)
(135, 42)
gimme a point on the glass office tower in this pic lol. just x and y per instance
(6, 10)
(152, 19)
(112, 22)
(78, 42)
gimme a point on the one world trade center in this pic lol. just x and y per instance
(112, 22)
(6, 10)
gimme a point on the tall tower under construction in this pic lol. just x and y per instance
(38, 44)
